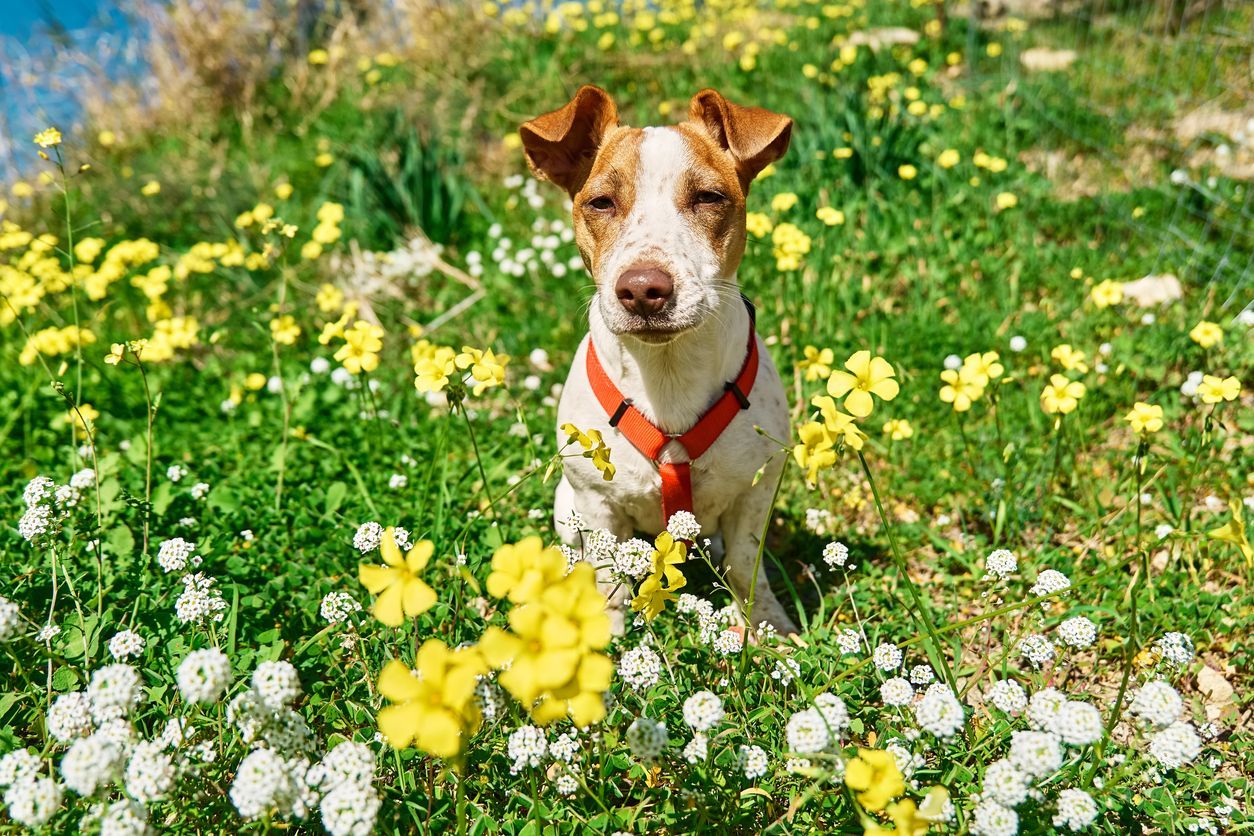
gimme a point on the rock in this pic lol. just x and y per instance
(886, 36)
(1152, 291)
(1217, 691)
(1040, 59)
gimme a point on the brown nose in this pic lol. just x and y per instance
(644, 291)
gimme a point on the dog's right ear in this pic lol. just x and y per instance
(561, 145)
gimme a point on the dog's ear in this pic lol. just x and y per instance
(561, 145)
(754, 137)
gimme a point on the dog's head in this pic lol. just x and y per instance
(659, 213)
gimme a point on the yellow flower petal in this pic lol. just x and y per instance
(388, 608)
(418, 597)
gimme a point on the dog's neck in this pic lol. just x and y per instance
(674, 383)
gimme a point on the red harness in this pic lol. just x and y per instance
(649, 439)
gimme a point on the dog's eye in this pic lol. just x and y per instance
(706, 198)
(601, 204)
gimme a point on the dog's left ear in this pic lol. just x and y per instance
(561, 144)
(754, 137)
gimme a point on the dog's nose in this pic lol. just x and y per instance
(644, 291)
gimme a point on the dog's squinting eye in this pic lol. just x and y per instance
(601, 204)
(707, 198)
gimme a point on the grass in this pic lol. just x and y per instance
(296, 459)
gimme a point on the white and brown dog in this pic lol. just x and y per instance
(672, 372)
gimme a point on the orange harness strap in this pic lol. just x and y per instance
(649, 439)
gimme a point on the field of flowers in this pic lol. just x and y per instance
(285, 324)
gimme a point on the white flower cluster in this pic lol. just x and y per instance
(835, 554)
(126, 644)
(640, 667)
(541, 256)
(47, 507)
(711, 623)
(338, 607)
(1037, 649)
(1049, 582)
(10, 619)
(752, 761)
(1176, 649)
(647, 738)
(1000, 564)
(703, 711)
(938, 712)
(683, 525)
(887, 657)
(368, 537)
(527, 747)
(201, 601)
(817, 729)
(1078, 632)
(896, 692)
(633, 558)
(175, 554)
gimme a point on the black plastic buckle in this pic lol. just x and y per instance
(620, 412)
(730, 386)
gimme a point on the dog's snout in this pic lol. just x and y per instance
(644, 291)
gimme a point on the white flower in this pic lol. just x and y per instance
(1176, 649)
(37, 524)
(729, 642)
(47, 633)
(33, 802)
(91, 763)
(261, 783)
(1005, 784)
(114, 690)
(633, 558)
(684, 526)
(397, 481)
(350, 810)
(1036, 753)
(1078, 724)
(896, 692)
(277, 684)
(807, 732)
(124, 818)
(922, 675)
(527, 747)
(1157, 703)
(173, 555)
(1076, 810)
(703, 711)
(348, 762)
(1008, 696)
(149, 772)
(849, 641)
(175, 472)
(126, 644)
(953, 362)
(200, 601)
(204, 675)
(1050, 581)
(647, 738)
(1176, 745)
(10, 619)
(833, 710)
(565, 748)
(1077, 632)
(368, 537)
(1044, 708)
(752, 761)
(1036, 649)
(786, 670)
(640, 667)
(17, 766)
(991, 819)
(38, 491)
(1000, 564)
(1018, 343)
(70, 717)
(939, 713)
(698, 749)
(835, 554)
(338, 607)
(887, 657)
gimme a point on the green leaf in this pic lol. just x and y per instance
(120, 542)
(335, 497)
(161, 498)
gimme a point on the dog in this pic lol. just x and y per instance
(659, 218)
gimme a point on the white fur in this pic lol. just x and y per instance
(673, 384)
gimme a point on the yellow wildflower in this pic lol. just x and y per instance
(948, 158)
(433, 365)
(830, 216)
(962, 388)
(1006, 200)
(152, 187)
(284, 329)
(873, 775)
(907, 171)
(783, 201)
(1107, 293)
(1145, 418)
(1061, 396)
(1207, 334)
(983, 367)
(1233, 532)
(840, 426)
(817, 364)
(362, 344)
(432, 707)
(594, 448)
(48, 138)
(486, 369)
(815, 451)
(1070, 359)
(402, 594)
(866, 376)
(521, 571)
(329, 298)
(898, 429)
(1212, 389)
(758, 224)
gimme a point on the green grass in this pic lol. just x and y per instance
(919, 270)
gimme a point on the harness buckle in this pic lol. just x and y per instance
(620, 412)
(730, 386)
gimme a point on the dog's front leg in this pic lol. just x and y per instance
(742, 527)
(596, 513)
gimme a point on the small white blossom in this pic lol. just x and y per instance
(1036, 753)
(887, 657)
(114, 691)
(640, 667)
(126, 644)
(633, 558)
(1000, 564)
(991, 819)
(1175, 746)
(1077, 632)
(277, 684)
(368, 537)
(683, 525)
(175, 472)
(703, 711)
(69, 717)
(1076, 810)
(338, 607)
(526, 747)
(835, 554)
(1008, 696)
(1005, 783)
(90, 763)
(752, 761)
(647, 738)
(203, 675)
(1050, 581)
(1036, 649)
(10, 619)
(1157, 703)
(939, 713)
(34, 802)
(175, 554)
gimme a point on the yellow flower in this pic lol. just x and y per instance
(106, 138)
(311, 251)
(948, 158)
(88, 249)
(758, 224)
(790, 244)
(487, 369)
(283, 191)
(1107, 293)
(1061, 396)
(318, 57)
(962, 388)
(48, 137)
(83, 419)
(1213, 390)
(433, 365)
(1206, 334)
(817, 364)
(783, 201)
(329, 298)
(433, 707)
(284, 329)
(668, 555)
(1145, 418)
(898, 429)
(362, 344)
(1234, 532)
(116, 352)
(323, 160)
(152, 187)
(866, 376)
(816, 450)
(983, 367)
(255, 381)
(1006, 200)
(520, 572)
(830, 216)
(594, 448)
(842, 153)
(402, 594)
(874, 776)
(1070, 359)
(839, 425)
(651, 597)
(907, 171)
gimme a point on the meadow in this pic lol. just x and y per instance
(285, 322)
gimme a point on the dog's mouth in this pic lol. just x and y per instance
(655, 330)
